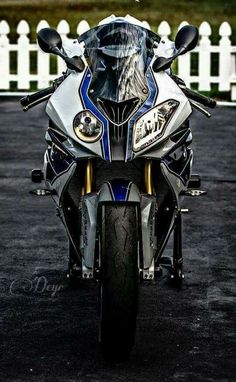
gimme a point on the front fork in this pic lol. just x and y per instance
(90, 205)
(88, 178)
(176, 266)
(148, 178)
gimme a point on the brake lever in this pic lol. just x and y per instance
(200, 108)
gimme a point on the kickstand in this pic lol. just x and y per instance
(177, 267)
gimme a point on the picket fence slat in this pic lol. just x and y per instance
(225, 57)
(4, 55)
(23, 59)
(184, 62)
(43, 61)
(204, 61)
(226, 53)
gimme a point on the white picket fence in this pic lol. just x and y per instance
(225, 78)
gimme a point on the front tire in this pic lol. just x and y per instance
(120, 279)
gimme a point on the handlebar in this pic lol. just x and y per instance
(43, 95)
(34, 99)
(195, 96)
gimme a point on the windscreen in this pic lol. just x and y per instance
(118, 55)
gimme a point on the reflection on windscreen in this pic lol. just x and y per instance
(118, 55)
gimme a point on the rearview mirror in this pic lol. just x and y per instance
(186, 39)
(49, 40)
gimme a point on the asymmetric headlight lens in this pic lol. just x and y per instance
(87, 127)
(150, 126)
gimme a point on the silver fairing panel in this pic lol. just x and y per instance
(167, 89)
(64, 105)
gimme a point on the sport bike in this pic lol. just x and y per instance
(118, 161)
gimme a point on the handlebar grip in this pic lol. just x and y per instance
(36, 97)
(195, 96)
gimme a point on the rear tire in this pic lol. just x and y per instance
(120, 279)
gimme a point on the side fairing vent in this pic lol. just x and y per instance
(118, 112)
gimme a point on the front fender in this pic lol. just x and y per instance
(119, 190)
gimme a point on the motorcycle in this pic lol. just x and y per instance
(118, 161)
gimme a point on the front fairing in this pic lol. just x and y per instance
(118, 86)
(118, 55)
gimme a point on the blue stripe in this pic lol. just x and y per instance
(90, 105)
(120, 189)
(144, 108)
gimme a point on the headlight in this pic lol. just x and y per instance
(150, 126)
(87, 127)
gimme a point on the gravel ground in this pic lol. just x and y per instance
(49, 330)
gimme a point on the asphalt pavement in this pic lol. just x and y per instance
(49, 331)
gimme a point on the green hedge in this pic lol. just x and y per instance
(154, 11)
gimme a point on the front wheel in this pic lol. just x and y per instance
(119, 279)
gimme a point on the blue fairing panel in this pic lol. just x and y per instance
(120, 189)
(56, 166)
(88, 104)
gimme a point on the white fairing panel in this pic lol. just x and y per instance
(168, 89)
(65, 104)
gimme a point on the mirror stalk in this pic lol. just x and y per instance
(163, 63)
(74, 63)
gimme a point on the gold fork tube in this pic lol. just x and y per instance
(148, 177)
(88, 177)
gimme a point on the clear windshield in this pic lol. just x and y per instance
(118, 55)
